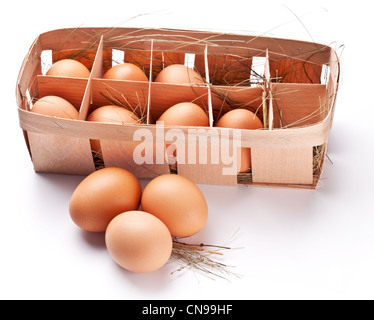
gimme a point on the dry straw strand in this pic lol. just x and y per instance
(199, 259)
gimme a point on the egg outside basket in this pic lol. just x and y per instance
(294, 95)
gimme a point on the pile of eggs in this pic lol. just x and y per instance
(138, 225)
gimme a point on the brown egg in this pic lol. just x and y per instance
(101, 196)
(56, 107)
(185, 114)
(69, 68)
(112, 114)
(177, 202)
(126, 71)
(138, 241)
(179, 74)
(241, 119)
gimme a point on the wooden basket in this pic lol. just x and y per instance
(295, 97)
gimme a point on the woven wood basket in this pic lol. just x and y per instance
(294, 95)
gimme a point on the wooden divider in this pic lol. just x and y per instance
(71, 89)
(132, 95)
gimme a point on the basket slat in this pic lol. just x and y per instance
(118, 153)
(60, 154)
(282, 166)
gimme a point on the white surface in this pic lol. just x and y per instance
(295, 244)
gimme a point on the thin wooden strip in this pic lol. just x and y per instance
(288, 138)
(31, 66)
(117, 153)
(149, 120)
(97, 68)
(187, 41)
(203, 163)
(71, 38)
(209, 98)
(132, 95)
(164, 96)
(282, 165)
(269, 110)
(60, 154)
(71, 89)
(333, 83)
(96, 72)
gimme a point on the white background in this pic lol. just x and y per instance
(290, 244)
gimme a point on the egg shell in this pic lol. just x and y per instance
(241, 119)
(177, 202)
(185, 114)
(138, 241)
(179, 74)
(101, 196)
(112, 114)
(68, 68)
(126, 71)
(55, 107)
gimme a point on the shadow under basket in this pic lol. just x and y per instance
(290, 85)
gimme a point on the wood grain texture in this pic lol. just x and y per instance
(201, 165)
(226, 69)
(117, 153)
(60, 154)
(298, 105)
(282, 165)
(71, 89)
(162, 59)
(295, 71)
(86, 56)
(132, 95)
(333, 83)
(226, 98)
(163, 96)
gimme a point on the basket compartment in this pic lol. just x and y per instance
(297, 105)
